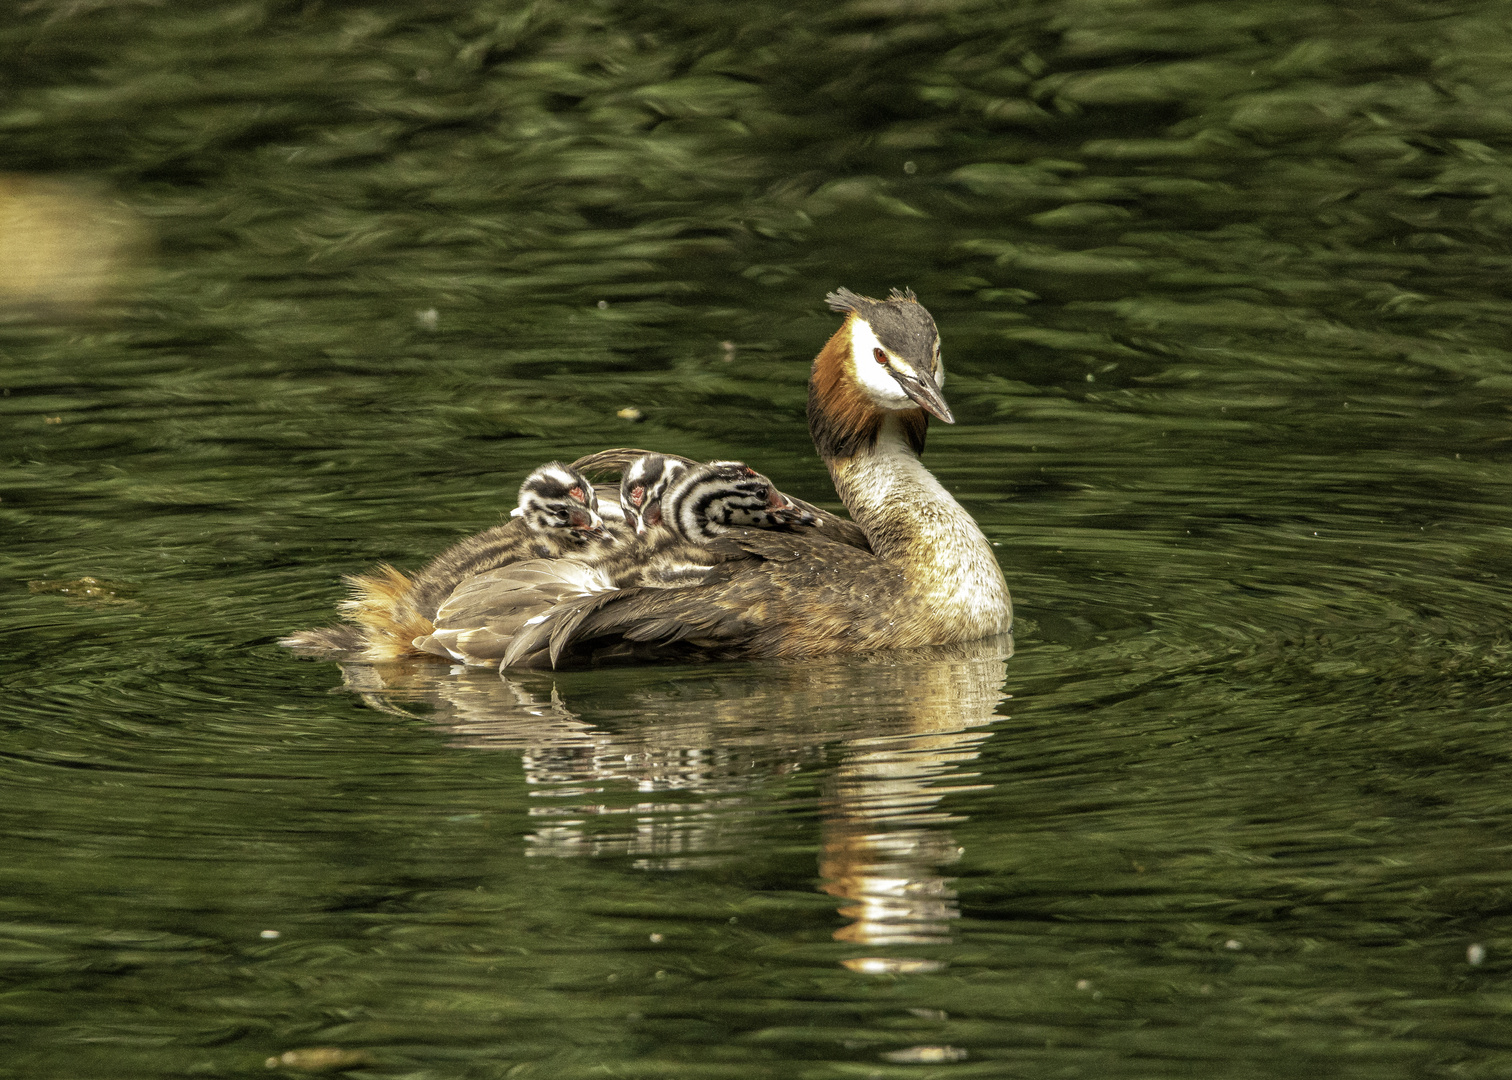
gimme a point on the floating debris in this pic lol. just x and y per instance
(925, 1055)
(320, 1059)
(631, 413)
(90, 589)
(1476, 954)
(729, 350)
(429, 319)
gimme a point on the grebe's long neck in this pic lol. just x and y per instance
(916, 526)
(913, 523)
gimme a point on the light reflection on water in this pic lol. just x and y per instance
(681, 787)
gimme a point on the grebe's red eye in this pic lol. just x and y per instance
(880, 356)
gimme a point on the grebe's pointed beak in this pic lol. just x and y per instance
(926, 393)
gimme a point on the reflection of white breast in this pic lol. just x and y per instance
(950, 564)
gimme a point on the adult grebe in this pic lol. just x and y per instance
(920, 572)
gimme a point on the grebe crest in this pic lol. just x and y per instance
(557, 497)
(644, 483)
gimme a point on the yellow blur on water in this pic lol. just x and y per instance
(63, 243)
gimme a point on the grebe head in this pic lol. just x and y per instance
(894, 351)
(644, 484)
(557, 496)
(713, 499)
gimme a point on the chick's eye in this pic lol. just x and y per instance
(879, 356)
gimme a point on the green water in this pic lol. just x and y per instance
(1223, 291)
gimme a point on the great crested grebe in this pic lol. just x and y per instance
(911, 569)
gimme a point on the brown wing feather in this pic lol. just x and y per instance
(479, 622)
(799, 595)
(833, 527)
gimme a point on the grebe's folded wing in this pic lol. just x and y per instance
(480, 619)
(785, 588)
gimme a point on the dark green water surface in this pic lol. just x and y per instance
(290, 288)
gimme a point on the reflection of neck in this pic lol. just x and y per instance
(879, 847)
(883, 841)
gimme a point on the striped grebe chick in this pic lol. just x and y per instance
(642, 485)
(706, 502)
(632, 463)
(557, 514)
(714, 499)
(561, 510)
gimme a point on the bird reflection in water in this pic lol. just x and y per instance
(896, 732)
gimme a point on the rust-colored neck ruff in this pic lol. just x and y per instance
(842, 419)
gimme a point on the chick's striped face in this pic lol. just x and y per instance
(724, 495)
(643, 486)
(557, 497)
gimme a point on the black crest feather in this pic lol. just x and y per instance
(842, 299)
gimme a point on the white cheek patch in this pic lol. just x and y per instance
(875, 378)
